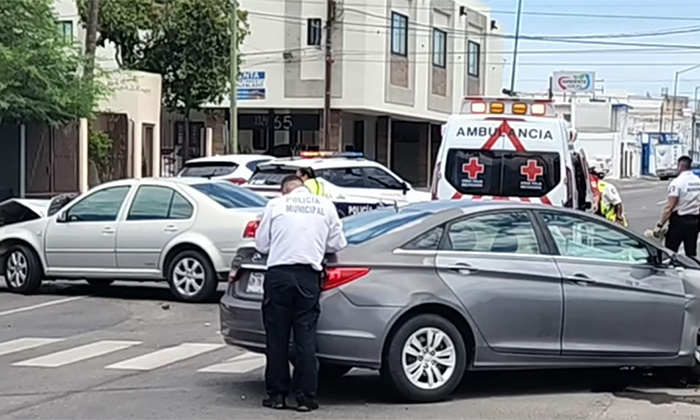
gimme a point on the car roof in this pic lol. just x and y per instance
(163, 181)
(240, 158)
(321, 163)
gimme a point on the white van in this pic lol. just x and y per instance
(511, 149)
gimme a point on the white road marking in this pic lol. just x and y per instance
(165, 357)
(77, 354)
(41, 305)
(243, 363)
(21, 344)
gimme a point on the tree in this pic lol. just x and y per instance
(186, 41)
(40, 78)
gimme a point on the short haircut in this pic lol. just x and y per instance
(685, 162)
(289, 179)
(307, 172)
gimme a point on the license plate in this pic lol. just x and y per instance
(255, 283)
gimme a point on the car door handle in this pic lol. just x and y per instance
(581, 279)
(170, 229)
(462, 268)
(108, 230)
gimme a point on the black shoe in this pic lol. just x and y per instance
(304, 406)
(276, 402)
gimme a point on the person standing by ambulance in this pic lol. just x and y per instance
(609, 201)
(311, 182)
(296, 231)
(682, 211)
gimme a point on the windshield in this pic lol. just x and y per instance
(230, 196)
(503, 173)
(270, 175)
(366, 226)
(207, 169)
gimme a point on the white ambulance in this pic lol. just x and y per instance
(511, 149)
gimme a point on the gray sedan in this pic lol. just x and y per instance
(431, 290)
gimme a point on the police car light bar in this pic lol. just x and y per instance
(327, 154)
(507, 106)
(315, 154)
(350, 154)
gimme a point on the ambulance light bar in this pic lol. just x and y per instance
(507, 106)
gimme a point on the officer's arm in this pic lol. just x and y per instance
(670, 204)
(263, 235)
(336, 237)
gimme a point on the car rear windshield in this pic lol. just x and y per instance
(208, 169)
(230, 196)
(503, 173)
(270, 175)
(366, 226)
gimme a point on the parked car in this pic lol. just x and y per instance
(236, 169)
(183, 230)
(429, 290)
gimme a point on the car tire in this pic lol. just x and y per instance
(23, 271)
(191, 277)
(399, 362)
(100, 284)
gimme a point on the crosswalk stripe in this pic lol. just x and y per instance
(243, 363)
(21, 344)
(77, 354)
(165, 357)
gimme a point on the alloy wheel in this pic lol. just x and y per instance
(189, 276)
(429, 358)
(17, 269)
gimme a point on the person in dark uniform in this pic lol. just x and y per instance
(296, 231)
(682, 210)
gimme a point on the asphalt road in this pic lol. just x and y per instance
(132, 353)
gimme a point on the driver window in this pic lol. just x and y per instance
(582, 238)
(377, 178)
(100, 206)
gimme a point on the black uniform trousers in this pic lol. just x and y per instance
(291, 302)
(683, 229)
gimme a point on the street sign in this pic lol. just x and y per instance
(573, 81)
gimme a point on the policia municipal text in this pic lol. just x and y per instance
(296, 231)
(682, 210)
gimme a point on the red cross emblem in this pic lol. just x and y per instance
(473, 169)
(532, 170)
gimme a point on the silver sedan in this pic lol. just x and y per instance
(428, 291)
(185, 231)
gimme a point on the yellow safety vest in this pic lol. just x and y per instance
(315, 186)
(606, 210)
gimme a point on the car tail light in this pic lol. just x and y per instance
(237, 181)
(336, 277)
(233, 275)
(251, 228)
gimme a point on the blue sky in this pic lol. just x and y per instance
(622, 68)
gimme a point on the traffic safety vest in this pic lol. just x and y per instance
(315, 186)
(606, 210)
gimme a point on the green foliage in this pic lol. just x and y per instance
(40, 77)
(186, 41)
(100, 155)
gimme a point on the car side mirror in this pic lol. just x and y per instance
(62, 217)
(405, 187)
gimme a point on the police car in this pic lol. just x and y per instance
(355, 184)
(511, 149)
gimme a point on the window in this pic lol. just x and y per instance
(439, 48)
(474, 57)
(379, 178)
(272, 175)
(429, 241)
(343, 177)
(582, 238)
(399, 34)
(503, 173)
(367, 226)
(207, 169)
(503, 232)
(159, 203)
(100, 206)
(314, 32)
(65, 27)
(230, 196)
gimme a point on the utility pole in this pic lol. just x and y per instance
(515, 46)
(675, 91)
(330, 18)
(233, 110)
(91, 39)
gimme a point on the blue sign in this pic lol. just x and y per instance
(251, 85)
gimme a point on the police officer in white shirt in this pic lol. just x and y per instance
(682, 210)
(296, 231)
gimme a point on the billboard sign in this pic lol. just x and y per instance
(573, 81)
(251, 85)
